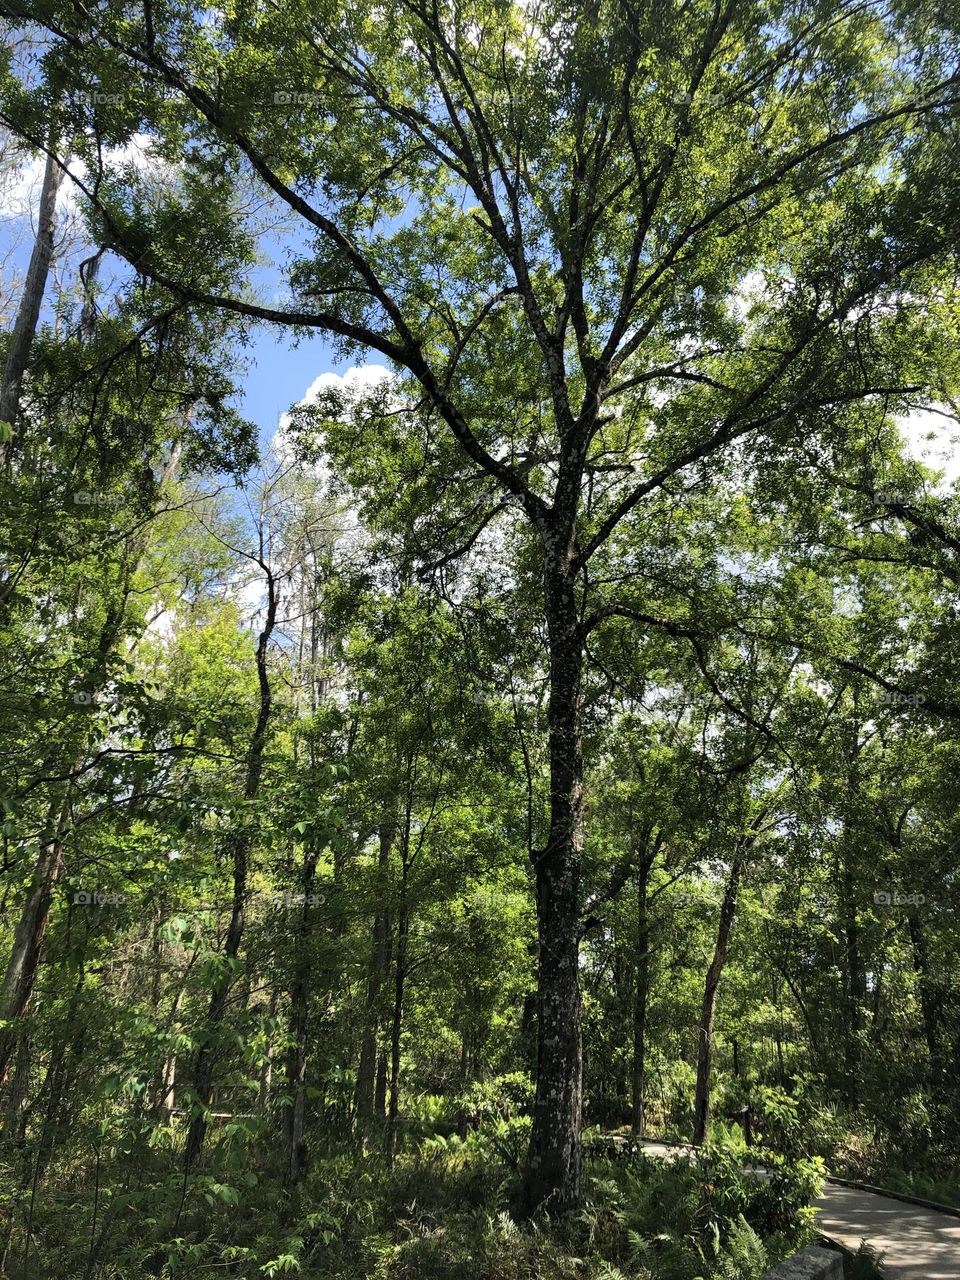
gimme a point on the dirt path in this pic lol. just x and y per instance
(916, 1243)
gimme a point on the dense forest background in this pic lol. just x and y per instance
(552, 729)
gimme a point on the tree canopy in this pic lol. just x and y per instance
(551, 728)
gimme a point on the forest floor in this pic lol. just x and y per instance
(916, 1243)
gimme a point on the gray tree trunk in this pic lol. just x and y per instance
(28, 312)
(378, 975)
(728, 909)
(553, 1174)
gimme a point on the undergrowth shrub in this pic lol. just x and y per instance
(444, 1211)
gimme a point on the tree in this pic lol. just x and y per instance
(594, 192)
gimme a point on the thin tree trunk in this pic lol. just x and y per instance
(207, 1054)
(928, 999)
(299, 1012)
(701, 1122)
(31, 928)
(266, 1071)
(15, 1122)
(380, 1096)
(396, 1023)
(466, 1076)
(641, 998)
(852, 992)
(378, 975)
(28, 938)
(62, 1071)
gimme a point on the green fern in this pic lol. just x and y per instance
(743, 1255)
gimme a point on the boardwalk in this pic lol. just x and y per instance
(916, 1243)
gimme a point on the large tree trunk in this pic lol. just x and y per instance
(28, 938)
(728, 909)
(554, 1160)
(28, 312)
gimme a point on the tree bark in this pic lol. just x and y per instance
(380, 1096)
(554, 1161)
(207, 1054)
(929, 1007)
(299, 1017)
(728, 909)
(266, 1070)
(641, 997)
(396, 1024)
(466, 1075)
(28, 938)
(853, 989)
(378, 975)
(28, 312)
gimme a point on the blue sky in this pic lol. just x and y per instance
(279, 368)
(279, 371)
(279, 375)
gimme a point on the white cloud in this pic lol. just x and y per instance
(20, 187)
(250, 596)
(20, 190)
(357, 380)
(934, 439)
